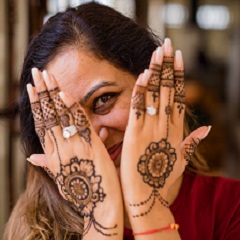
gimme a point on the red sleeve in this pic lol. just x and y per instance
(233, 230)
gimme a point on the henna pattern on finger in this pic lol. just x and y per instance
(38, 121)
(168, 111)
(81, 186)
(62, 111)
(155, 166)
(138, 100)
(50, 173)
(179, 96)
(154, 81)
(48, 109)
(167, 76)
(190, 149)
(81, 122)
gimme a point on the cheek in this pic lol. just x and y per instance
(121, 119)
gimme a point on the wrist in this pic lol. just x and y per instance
(159, 216)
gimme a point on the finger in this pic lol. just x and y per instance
(64, 115)
(79, 117)
(37, 115)
(40, 160)
(191, 142)
(152, 98)
(137, 109)
(49, 113)
(179, 93)
(166, 88)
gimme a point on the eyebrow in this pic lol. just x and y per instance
(96, 88)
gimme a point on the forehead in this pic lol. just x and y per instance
(77, 71)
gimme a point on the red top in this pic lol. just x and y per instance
(206, 208)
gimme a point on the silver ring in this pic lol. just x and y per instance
(69, 131)
(151, 110)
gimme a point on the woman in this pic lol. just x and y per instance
(111, 127)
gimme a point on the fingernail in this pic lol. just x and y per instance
(35, 75)
(179, 62)
(31, 161)
(207, 132)
(29, 88)
(61, 94)
(144, 80)
(159, 54)
(46, 77)
(167, 43)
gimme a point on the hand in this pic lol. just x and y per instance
(80, 165)
(154, 153)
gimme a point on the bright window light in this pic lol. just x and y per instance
(174, 14)
(213, 17)
(75, 3)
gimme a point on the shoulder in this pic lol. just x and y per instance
(218, 192)
(217, 185)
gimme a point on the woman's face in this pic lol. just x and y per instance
(103, 90)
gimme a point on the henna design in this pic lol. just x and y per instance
(154, 81)
(179, 96)
(38, 121)
(190, 149)
(48, 109)
(80, 185)
(138, 100)
(81, 122)
(168, 111)
(62, 111)
(155, 166)
(167, 76)
(50, 174)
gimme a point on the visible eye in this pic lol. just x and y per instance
(103, 104)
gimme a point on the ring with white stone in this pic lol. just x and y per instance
(151, 110)
(69, 131)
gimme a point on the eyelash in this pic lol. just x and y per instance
(111, 98)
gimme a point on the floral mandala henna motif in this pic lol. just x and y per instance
(155, 166)
(81, 186)
(38, 121)
(179, 96)
(138, 101)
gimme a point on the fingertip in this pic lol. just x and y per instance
(168, 47)
(33, 162)
(29, 88)
(68, 100)
(178, 59)
(61, 94)
(31, 92)
(159, 55)
(207, 131)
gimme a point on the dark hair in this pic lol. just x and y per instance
(108, 35)
(105, 32)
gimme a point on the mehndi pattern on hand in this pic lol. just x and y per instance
(158, 160)
(76, 178)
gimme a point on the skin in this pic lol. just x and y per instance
(104, 93)
(77, 73)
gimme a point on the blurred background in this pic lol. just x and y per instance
(207, 32)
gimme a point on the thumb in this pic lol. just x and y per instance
(38, 160)
(191, 142)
